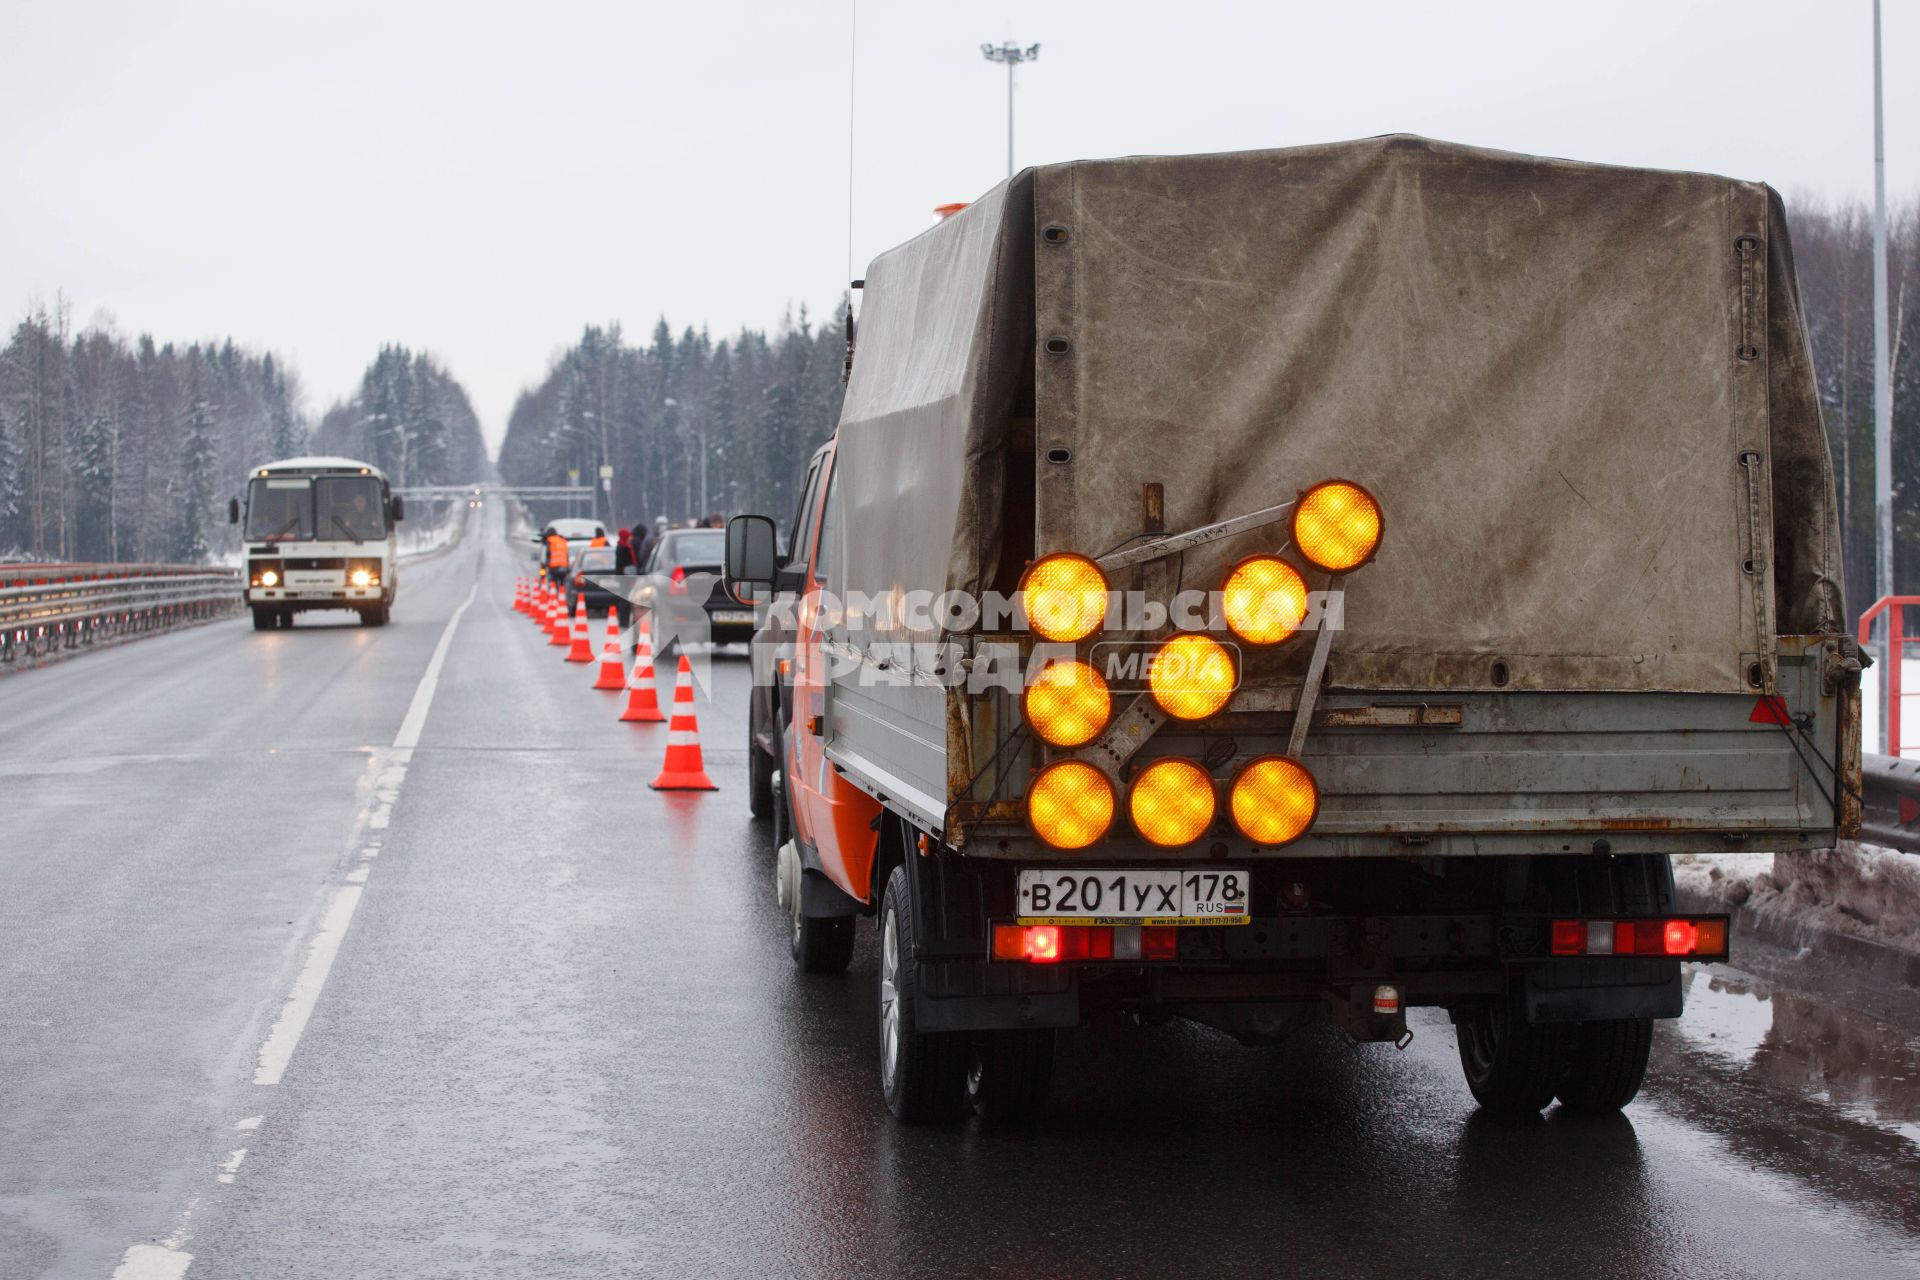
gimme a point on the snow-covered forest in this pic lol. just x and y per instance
(411, 419)
(756, 403)
(126, 450)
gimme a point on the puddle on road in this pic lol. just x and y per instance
(1865, 1068)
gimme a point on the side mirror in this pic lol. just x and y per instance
(398, 506)
(233, 511)
(753, 557)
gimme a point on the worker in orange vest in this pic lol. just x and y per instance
(556, 556)
(599, 538)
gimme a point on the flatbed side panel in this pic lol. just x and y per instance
(890, 740)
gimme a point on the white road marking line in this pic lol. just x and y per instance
(232, 1165)
(409, 735)
(278, 1049)
(152, 1262)
(277, 1052)
(251, 1122)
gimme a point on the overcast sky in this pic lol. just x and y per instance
(480, 180)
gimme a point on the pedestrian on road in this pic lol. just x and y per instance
(623, 552)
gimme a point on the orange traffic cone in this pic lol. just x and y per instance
(557, 632)
(520, 595)
(682, 769)
(582, 650)
(643, 702)
(613, 658)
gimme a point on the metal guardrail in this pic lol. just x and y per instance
(1890, 814)
(82, 605)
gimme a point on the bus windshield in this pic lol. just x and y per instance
(280, 509)
(349, 507)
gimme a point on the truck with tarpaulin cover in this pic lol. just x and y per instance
(1297, 586)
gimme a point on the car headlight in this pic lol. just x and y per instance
(1067, 703)
(1264, 600)
(1065, 596)
(1274, 800)
(1171, 802)
(1070, 804)
(1192, 676)
(1337, 525)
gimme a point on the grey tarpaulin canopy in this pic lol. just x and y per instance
(1582, 394)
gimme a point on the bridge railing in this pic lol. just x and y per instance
(48, 608)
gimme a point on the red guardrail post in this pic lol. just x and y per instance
(1895, 609)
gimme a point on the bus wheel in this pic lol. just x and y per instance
(922, 1073)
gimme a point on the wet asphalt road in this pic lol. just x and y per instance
(561, 1036)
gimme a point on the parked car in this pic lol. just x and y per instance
(594, 579)
(683, 581)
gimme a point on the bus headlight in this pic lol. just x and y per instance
(1070, 804)
(1065, 596)
(1336, 525)
(1171, 802)
(269, 577)
(1274, 800)
(1067, 703)
(361, 578)
(1265, 600)
(1191, 676)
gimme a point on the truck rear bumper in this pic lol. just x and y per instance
(1295, 969)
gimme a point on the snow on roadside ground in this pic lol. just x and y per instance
(1858, 889)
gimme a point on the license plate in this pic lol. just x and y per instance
(733, 615)
(1161, 895)
(313, 580)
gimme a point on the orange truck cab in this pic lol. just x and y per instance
(827, 829)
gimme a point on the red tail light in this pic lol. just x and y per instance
(1043, 944)
(678, 580)
(1689, 937)
(1052, 944)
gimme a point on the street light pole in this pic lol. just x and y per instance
(1013, 55)
(1882, 390)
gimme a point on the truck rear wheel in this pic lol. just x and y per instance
(263, 619)
(922, 1073)
(1513, 1067)
(1606, 1061)
(1010, 1074)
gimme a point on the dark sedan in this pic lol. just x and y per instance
(594, 580)
(686, 563)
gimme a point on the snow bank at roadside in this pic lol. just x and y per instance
(1857, 889)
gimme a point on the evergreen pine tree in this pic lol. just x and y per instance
(195, 494)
